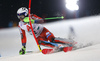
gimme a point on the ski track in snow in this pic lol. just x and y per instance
(87, 34)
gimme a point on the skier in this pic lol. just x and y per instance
(42, 34)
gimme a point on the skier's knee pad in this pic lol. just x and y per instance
(53, 40)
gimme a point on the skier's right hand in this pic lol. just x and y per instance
(23, 50)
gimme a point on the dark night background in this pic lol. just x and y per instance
(45, 8)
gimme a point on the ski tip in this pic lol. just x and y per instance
(66, 49)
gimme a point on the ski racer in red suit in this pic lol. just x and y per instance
(42, 34)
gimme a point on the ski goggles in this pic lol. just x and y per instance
(21, 14)
(21, 17)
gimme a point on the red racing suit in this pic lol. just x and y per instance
(42, 34)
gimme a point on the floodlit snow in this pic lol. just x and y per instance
(87, 34)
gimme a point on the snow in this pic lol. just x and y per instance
(86, 54)
(87, 34)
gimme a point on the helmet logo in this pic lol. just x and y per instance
(23, 8)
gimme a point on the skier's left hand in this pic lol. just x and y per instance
(23, 50)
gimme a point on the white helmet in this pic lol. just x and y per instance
(22, 12)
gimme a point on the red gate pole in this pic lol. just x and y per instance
(31, 25)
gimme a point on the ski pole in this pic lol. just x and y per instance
(31, 25)
(54, 18)
(47, 18)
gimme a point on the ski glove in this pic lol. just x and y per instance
(22, 51)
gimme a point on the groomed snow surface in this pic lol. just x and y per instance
(86, 33)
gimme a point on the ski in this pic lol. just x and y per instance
(49, 51)
(30, 52)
